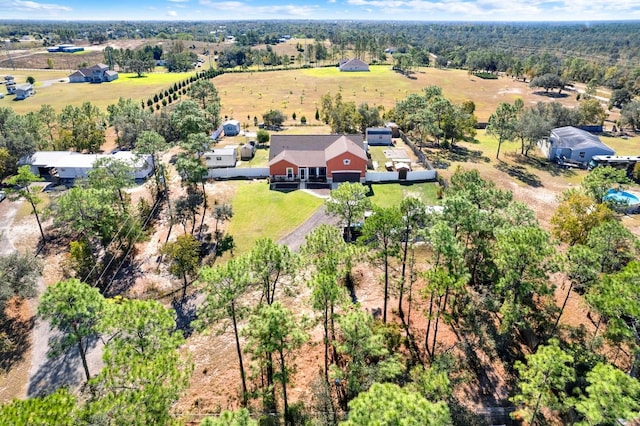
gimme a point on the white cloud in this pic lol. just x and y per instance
(178, 1)
(223, 5)
(331, 1)
(507, 10)
(172, 13)
(282, 11)
(22, 5)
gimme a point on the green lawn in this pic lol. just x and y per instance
(260, 213)
(58, 95)
(630, 146)
(260, 159)
(377, 155)
(391, 194)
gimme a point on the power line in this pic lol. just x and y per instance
(144, 225)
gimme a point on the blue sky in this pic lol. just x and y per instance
(418, 10)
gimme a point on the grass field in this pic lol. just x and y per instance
(60, 94)
(391, 194)
(261, 213)
(251, 94)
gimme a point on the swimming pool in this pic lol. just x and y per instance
(622, 197)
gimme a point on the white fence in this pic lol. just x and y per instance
(422, 175)
(417, 176)
(371, 177)
(239, 172)
(381, 176)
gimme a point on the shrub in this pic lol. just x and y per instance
(262, 136)
(486, 75)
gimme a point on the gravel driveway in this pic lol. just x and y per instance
(297, 238)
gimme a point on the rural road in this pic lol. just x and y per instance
(45, 374)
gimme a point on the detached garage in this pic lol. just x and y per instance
(572, 145)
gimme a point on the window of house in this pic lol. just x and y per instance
(218, 158)
(207, 158)
(346, 161)
(581, 154)
(289, 172)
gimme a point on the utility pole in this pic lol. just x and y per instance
(6, 47)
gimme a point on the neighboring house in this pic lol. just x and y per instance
(354, 64)
(378, 136)
(570, 145)
(99, 73)
(23, 91)
(231, 127)
(324, 159)
(68, 165)
(221, 157)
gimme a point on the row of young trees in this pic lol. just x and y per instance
(83, 128)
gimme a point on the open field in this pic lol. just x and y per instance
(254, 93)
(251, 94)
(59, 94)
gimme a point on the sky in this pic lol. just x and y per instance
(584, 11)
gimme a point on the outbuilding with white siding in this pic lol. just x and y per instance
(68, 165)
(221, 157)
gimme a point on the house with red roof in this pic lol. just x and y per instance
(305, 161)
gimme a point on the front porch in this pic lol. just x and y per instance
(304, 175)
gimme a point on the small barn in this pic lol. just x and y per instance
(395, 129)
(378, 136)
(571, 145)
(221, 157)
(231, 127)
(248, 151)
(354, 64)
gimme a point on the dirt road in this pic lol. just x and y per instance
(8, 212)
